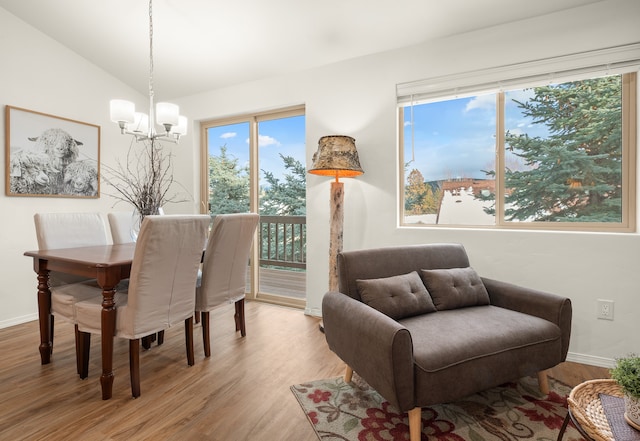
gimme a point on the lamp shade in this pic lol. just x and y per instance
(181, 128)
(122, 111)
(336, 156)
(167, 114)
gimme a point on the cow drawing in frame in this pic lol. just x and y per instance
(51, 156)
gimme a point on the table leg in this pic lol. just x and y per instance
(45, 318)
(564, 427)
(108, 322)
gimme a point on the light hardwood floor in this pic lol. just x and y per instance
(240, 393)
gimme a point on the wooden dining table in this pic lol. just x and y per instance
(108, 264)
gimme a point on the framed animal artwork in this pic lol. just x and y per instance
(50, 156)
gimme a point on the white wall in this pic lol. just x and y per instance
(357, 98)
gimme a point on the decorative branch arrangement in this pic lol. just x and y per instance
(145, 179)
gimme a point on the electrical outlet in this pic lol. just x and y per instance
(605, 309)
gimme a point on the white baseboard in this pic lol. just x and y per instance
(591, 360)
(18, 320)
(314, 312)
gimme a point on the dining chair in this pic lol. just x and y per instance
(121, 225)
(224, 269)
(69, 230)
(161, 288)
(122, 231)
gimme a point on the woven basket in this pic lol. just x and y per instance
(586, 407)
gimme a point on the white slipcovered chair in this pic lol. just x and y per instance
(161, 287)
(121, 225)
(122, 231)
(69, 230)
(224, 269)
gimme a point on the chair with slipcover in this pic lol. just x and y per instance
(122, 231)
(121, 225)
(161, 287)
(224, 269)
(69, 230)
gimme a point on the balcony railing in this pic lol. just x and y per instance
(283, 241)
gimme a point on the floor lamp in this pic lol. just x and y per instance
(337, 157)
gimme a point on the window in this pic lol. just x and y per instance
(557, 155)
(257, 163)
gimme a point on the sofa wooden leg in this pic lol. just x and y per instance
(348, 374)
(543, 382)
(415, 424)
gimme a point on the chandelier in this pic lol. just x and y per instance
(167, 115)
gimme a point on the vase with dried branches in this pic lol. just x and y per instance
(145, 179)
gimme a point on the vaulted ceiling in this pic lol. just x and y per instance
(201, 45)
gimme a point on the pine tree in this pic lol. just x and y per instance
(228, 184)
(286, 198)
(574, 174)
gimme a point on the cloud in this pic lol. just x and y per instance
(228, 135)
(264, 140)
(483, 102)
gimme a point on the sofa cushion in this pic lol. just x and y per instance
(448, 338)
(470, 349)
(397, 296)
(455, 288)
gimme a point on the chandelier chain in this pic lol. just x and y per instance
(151, 109)
(135, 123)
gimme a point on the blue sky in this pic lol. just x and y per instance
(456, 138)
(284, 136)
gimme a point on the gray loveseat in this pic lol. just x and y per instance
(421, 327)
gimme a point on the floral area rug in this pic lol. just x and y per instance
(511, 412)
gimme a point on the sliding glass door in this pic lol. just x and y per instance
(257, 163)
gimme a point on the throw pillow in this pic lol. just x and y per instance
(397, 296)
(455, 288)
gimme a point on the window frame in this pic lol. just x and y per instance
(253, 119)
(629, 147)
